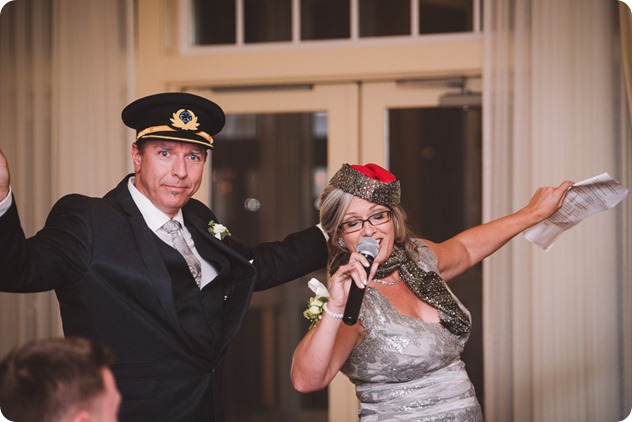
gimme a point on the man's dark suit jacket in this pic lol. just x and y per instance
(113, 284)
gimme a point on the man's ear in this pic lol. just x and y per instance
(81, 416)
(136, 157)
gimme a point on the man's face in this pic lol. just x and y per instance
(169, 173)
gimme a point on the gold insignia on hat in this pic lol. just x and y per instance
(185, 120)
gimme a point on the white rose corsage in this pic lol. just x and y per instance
(314, 311)
(218, 230)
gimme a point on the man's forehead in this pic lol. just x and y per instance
(187, 146)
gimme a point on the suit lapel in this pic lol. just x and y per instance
(152, 259)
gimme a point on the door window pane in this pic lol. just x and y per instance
(268, 171)
(325, 19)
(379, 18)
(213, 22)
(267, 21)
(271, 21)
(439, 16)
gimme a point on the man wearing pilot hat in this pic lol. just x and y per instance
(149, 271)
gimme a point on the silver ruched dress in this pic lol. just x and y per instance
(407, 369)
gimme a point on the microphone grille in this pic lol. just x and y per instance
(368, 246)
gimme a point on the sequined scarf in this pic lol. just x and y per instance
(429, 287)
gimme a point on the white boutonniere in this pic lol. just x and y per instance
(218, 230)
(314, 311)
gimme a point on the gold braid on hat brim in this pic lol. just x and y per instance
(152, 132)
(359, 184)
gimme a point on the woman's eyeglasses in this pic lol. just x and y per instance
(356, 224)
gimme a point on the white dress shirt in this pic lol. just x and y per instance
(155, 219)
(5, 204)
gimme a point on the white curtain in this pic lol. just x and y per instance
(558, 324)
(625, 300)
(625, 20)
(65, 74)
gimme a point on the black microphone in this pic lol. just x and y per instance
(369, 248)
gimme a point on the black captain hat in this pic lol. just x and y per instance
(175, 116)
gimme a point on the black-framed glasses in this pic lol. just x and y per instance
(356, 224)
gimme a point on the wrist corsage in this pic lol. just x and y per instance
(314, 311)
(218, 230)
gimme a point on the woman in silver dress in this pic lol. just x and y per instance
(403, 355)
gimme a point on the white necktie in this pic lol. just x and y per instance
(175, 230)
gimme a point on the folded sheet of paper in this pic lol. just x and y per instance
(584, 199)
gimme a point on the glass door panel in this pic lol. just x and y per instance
(268, 168)
(436, 151)
(267, 173)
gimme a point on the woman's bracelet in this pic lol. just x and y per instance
(331, 313)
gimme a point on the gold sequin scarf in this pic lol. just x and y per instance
(429, 287)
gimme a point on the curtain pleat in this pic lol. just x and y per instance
(625, 21)
(625, 297)
(65, 74)
(557, 325)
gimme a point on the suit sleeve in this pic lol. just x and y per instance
(278, 262)
(57, 255)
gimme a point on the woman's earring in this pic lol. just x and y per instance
(342, 243)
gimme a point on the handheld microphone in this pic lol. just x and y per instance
(369, 248)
